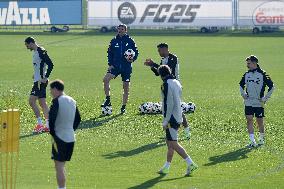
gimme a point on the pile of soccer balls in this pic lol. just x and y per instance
(156, 108)
(151, 108)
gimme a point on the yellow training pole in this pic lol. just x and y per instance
(9, 146)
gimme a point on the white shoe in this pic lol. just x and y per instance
(190, 169)
(260, 142)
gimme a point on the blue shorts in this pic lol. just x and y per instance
(125, 76)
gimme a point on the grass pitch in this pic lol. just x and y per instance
(126, 151)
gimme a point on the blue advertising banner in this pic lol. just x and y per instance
(40, 12)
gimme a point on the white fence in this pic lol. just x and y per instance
(260, 13)
(186, 13)
(160, 13)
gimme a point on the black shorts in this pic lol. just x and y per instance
(255, 111)
(125, 76)
(39, 90)
(172, 130)
(61, 151)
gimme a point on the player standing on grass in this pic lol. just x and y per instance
(252, 88)
(172, 113)
(172, 61)
(64, 119)
(40, 77)
(119, 65)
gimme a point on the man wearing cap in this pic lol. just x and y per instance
(252, 89)
(119, 64)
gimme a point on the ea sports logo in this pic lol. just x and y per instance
(126, 13)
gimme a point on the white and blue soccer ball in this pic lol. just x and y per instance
(157, 108)
(129, 54)
(191, 107)
(107, 110)
(146, 108)
(184, 107)
(188, 107)
(143, 108)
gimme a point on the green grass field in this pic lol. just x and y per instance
(126, 151)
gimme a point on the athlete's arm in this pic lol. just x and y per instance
(242, 87)
(53, 115)
(45, 60)
(77, 119)
(168, 104)
(269, 83)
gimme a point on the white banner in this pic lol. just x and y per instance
(261, 13)
(160, 13)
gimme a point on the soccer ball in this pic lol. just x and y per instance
(184, 107)
(129, 54)
(143, 108)
(146, 108)
(107, 110)
(191, 107)
(149, 106)
(157, 108)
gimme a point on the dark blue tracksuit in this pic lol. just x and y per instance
(116, 49)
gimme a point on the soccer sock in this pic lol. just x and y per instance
(251, 136)
(188, 161)
(62, 188)
(39, 121)
(261, 136)
(167, 165)
(47, 123)
(123, 106)
(108, 98)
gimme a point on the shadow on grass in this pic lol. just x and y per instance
(152, 114)
(30, 135)
(62, 41)
(135, 151)
(152, 182)
(87, 124)
(230, 156)
(91, 123)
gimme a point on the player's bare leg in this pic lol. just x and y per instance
(33, 103)
(260, 124)
(170, 153)
(250, 130)
(191, 166)
(186, 126)
(34, 106)
(45, 109)
(126, 86)
(60, 174)
(178, 148)
(106, 81)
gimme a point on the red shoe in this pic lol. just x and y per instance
(38, 128)
(46, 129)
